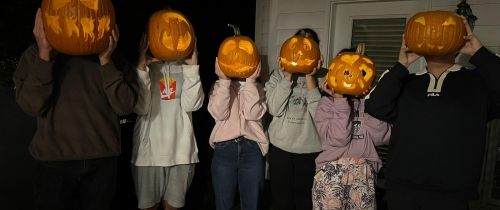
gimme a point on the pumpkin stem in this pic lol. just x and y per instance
(361, 49)
(235, 29)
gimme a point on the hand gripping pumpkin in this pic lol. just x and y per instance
(238, 56)
(435, 33)
(170, 35)
(351, 73)
(299, 54)
(78, 27)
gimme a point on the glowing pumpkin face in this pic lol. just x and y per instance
(299, 54)
(171, 35)
(238, 56)
(435, 33)
(78, 27)
(350, 73)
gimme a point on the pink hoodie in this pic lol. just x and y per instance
(334, 121)
(238, 108)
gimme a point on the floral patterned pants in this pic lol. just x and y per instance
(345, 184)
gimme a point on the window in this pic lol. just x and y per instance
(382, 38)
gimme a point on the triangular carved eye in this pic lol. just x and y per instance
(449, 22)
(420, 20)
(91, 4)
(58, 4)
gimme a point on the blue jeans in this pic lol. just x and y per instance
(237, 163)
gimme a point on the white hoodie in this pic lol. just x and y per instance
(163, 133)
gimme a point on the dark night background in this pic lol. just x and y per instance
(209, 19)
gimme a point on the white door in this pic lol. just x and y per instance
(343, 14)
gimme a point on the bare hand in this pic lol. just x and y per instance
(144, 60)
(194, 56)
(472, 43)
(218, 72)
(44, 47)
(320, 63)
(256, 73)
(287, 75)
(406, 57)
(105, 56)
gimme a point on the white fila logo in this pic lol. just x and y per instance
(432, 94)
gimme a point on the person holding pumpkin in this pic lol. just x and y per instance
(170, 90)
(292, 99)
(77, 98)
(439, 118)
(347, 167)
(238, 139)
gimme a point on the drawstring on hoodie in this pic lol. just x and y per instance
(165, 71)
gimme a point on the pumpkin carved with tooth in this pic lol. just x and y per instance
(299, 54)
(170, 35)
(78, 27)
(435, 33)
(238, 56)
(351, 73)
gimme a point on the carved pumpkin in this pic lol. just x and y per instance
(78, 27)
(299, 54)
(351, 73)
(171, 35)
(435, 33)
(238, 56)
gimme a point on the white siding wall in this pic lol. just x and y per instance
(276, 20)
(280, 19)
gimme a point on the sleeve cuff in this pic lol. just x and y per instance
(285, 84)
(190, 70)
(224, 82)
(314, 94)
(480, 55)
(340, 104)
(143, 75)
(44, 74)
(109, 72)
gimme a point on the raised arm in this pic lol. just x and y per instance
(253, 98)
(382, 100)
(332, 121)
(278, 90)
(118, 87)
(219, 102)
(34, 74)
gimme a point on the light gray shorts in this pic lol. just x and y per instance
(155, 183)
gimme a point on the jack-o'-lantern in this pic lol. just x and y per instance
(299, 54)
(351, 73)
(435, 33)
(238, 56)
(78, 27)
(171, 35)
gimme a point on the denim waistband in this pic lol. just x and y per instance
(235, 140)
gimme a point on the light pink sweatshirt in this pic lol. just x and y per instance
(340, 139)
(238, 108)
